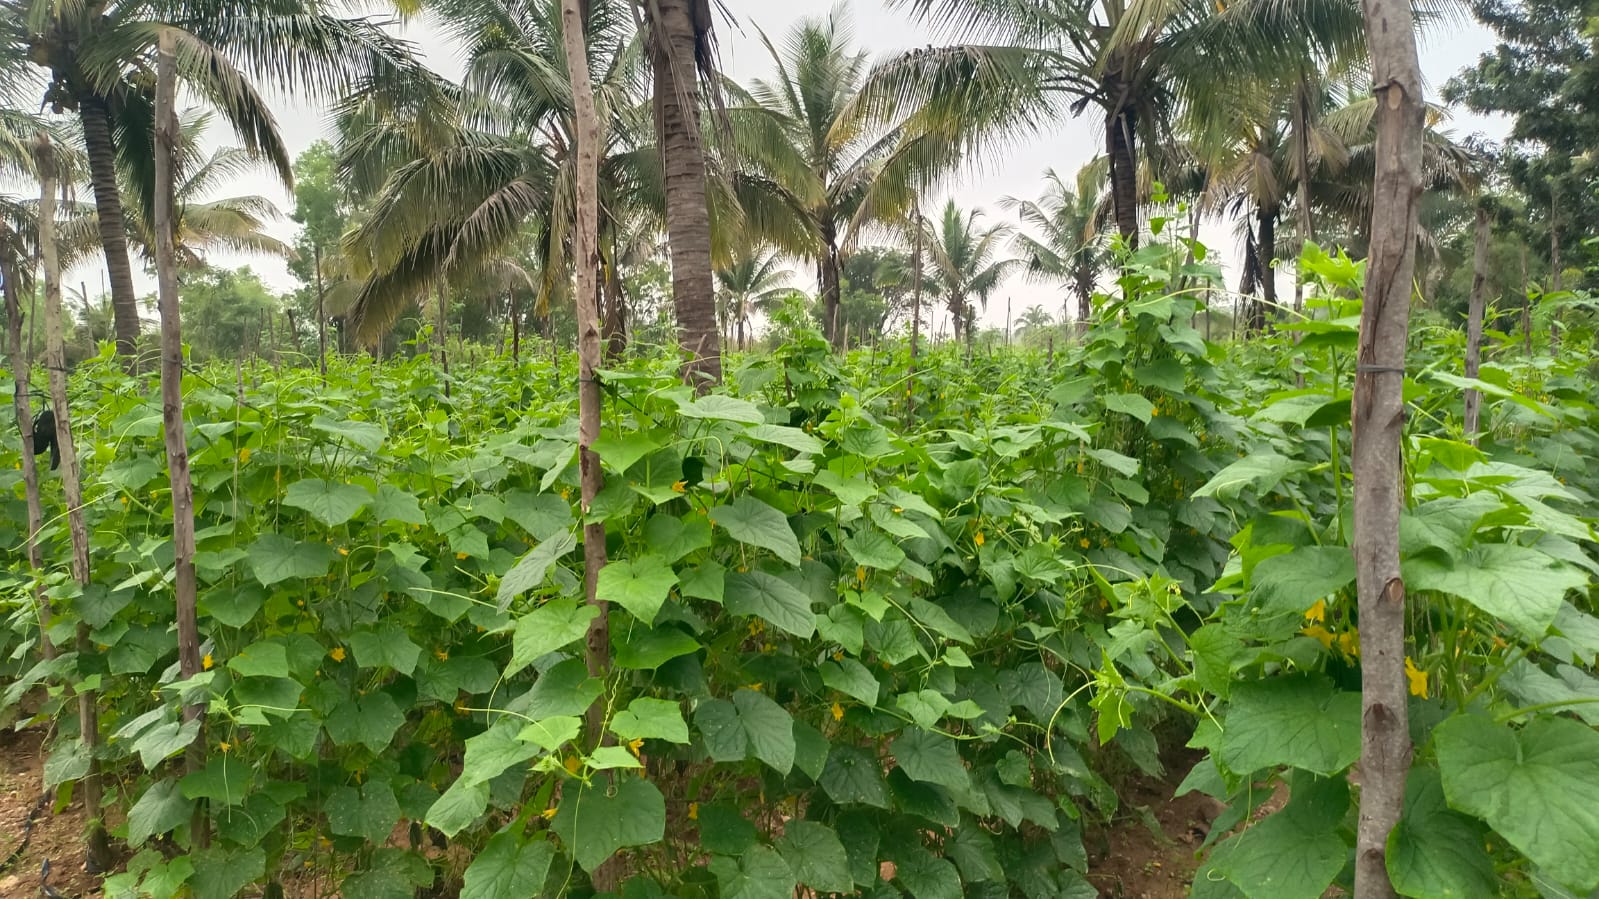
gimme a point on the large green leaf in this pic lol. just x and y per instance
(594, 824)
(1296, 853)
(851, 677)
(532, 568)
(508, 867)
(1519, 585)
(720, 407)
(369, 811)
(926, 876)
(931, 757)
(1299, 721)
(1261, 471)
(872, 549)
(769, 727)
(547, 628)
(386, 646)
(222, 873)
(759, 873)
(489, 753)
(638, 585)
(816, 856)
(330, 503)
(768, 596)
(748, 520)
(1539, 788)
(370, 720)
(852, 776)
(159, 810)
(275, 558)
(1293, 581)
(1436, 853)
(651, 719)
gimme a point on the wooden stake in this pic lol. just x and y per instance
(22, 370)
(1474, 316)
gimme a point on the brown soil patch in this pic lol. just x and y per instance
(54, 843)
(1151, 849)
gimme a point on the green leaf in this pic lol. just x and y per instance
(924, 706)
(720, 731)
(507, 867)
(638, 585)
(547, 628)
(1261, 471)
(640, 649)
(769, 727)
(926, 876)
(369, 812)
(532, 568)
(594, 825)
(394, 504)
(460, 806)
(1435, 852)
(816, 856)
(1298, 721)
(850, 677)
(1294, 581)
(672, 538)
(275, 558)
(759, 873)
(782, 435)
(388, 646)
(551, 733)
(161, 809)
(330, 503)
(163, 740)
(542, 515)
(262, 659)
(370, 720)
(927, 756)
(222, 873)
(618, 452)
(851, 776)
(363, 434)
(651, 719)
(491, 752)
(1130, 404)
(872, 549)
(724, 830)
(1296, 853)
(720, 407)
(707, 581)
(748, 520)
(1539, 788)
(851, 491)
(565, 689)
(769, 597)
(1519, 585)
(224, 781)
(608, 757)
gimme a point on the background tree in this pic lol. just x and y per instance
(750, 284)
(965, 263)
(1068, 248)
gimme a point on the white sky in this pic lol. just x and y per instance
(1065, 147)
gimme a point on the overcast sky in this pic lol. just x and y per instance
(1065, 147)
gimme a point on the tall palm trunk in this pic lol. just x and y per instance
(113, 226)
(1121, 143)
(1085, 298)
(615, 311)
(1307, 222)
(1265, 254)
(675, 44)
(831, 285)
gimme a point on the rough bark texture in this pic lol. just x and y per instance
(587, 258)
(98, 849)
(516, 329)
(1307, 222)
(113, 227)
(1121, 142)
(675, 44)
(831, 285)
(615, 312)
(1266, 253)
(1474, 316)
(22, 367)
(1378, 425)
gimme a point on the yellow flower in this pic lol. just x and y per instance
(860, 573)
(572, 764)
(224, 746)
(756, 687)
(838, 712)
(1417, 678)
(898, 511)
(636, 745)
(838, 656)
(547, 814)
(979, 539)
(680, 486)
(343, 551)
(1317, 612)
(336, 653)
(244, 455)
(693, 811)
(460, 557)
(207, 662)
(1349, 644)
(1085, 543)
(124, 501)
(1320, 633)
(1155, 412)
(441, 655)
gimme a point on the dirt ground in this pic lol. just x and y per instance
(1148, 851)
(46, 859)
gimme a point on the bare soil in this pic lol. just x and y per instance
(41, 847)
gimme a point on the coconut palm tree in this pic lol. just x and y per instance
(97, 60)
(1069, 248)
(1139, 62)
(965, 264)
(464, 174)
(752, 282)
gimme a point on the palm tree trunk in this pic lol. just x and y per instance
(916, 307)
(98, 849)
(185, 587)
(1307, 222)
(1085, 300)
(112, 224)
(21, 364)
(615, 312)
(1377, 423)
(516, 329)
(1264, 255)
(1122, 145)
(832, 286)
(1474, 316)
(675, 45)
